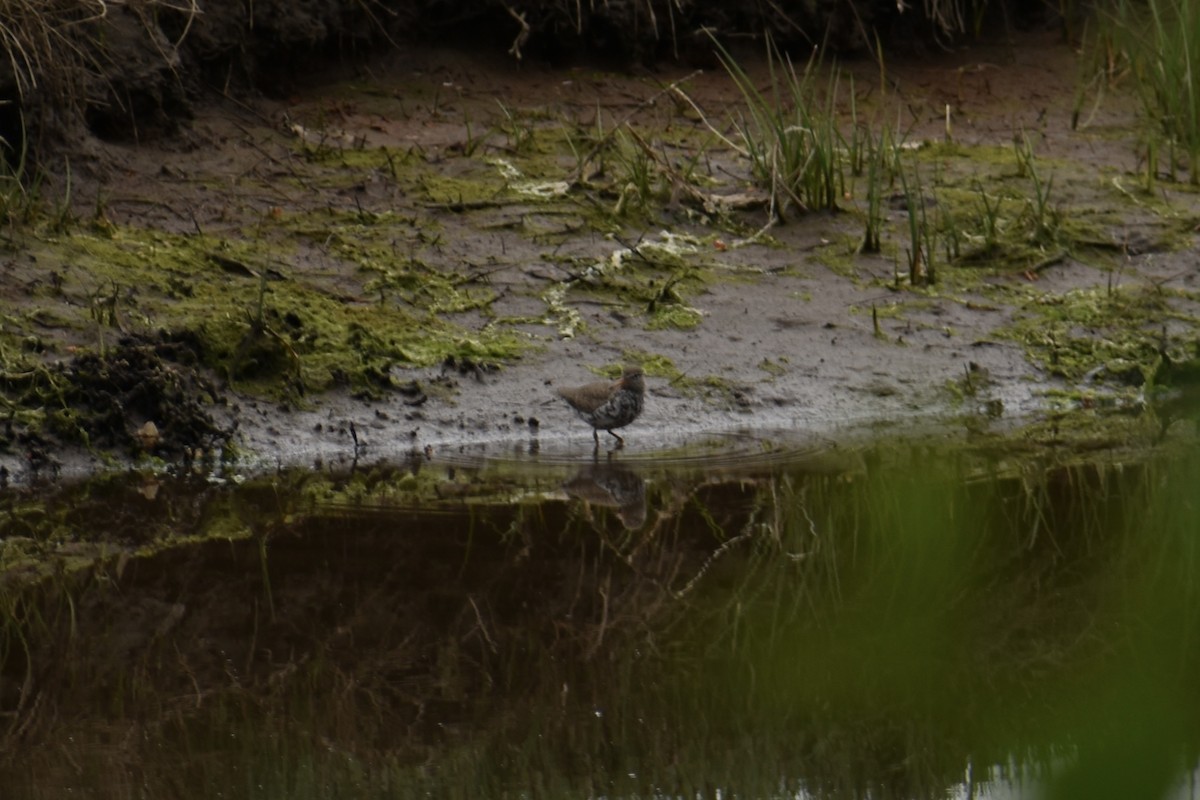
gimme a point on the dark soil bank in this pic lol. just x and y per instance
(135, 71)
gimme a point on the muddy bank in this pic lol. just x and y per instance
(417, 254)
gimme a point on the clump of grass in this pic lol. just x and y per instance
(921, 235)
(472, 143)
(880, 157)
(54, 54)
(791, 134)
(988, 218)
(51, 48)
(635, 172)
(518, 131)
(948, 232)
(1160, 40)
(1043, 216)
(36, 37)
(17, 197)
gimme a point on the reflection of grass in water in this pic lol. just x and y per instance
(926, 626)
(879, 636)
(852, 634)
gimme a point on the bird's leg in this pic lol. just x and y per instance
(596, 438)
(620, 441)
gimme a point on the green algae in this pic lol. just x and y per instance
(463, 192)
(268, 326)
(1089, 423)
(712, 388)
(1079, 332)
(674, 316)
(526, 175)
(774, 367)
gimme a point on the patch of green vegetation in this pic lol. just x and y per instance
(715, 387)
(405, 278)
(1160, 44)
(710, 387)
(790, 133)
(895, 309)
(640, 183)
(1082, 331)
(462, 191)
(974, 382)
(655, 366)
(839, 258)
(996, 207)
(1090, 422)
(269, 329)
(651, 277)
(1003, 209)
(674, 316)
(774, 368)
(356, 157)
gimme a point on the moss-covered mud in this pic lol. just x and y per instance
(416, 254)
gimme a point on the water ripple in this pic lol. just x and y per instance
(740, 451)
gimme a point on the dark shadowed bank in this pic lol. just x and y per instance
(132, 70)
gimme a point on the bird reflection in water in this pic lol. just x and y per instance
(604, 483)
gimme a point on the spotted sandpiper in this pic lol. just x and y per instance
(605, 405)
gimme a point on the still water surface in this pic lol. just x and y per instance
(739, 618)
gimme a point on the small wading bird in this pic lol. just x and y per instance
(607, 405)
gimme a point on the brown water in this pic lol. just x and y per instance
(741, 617)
